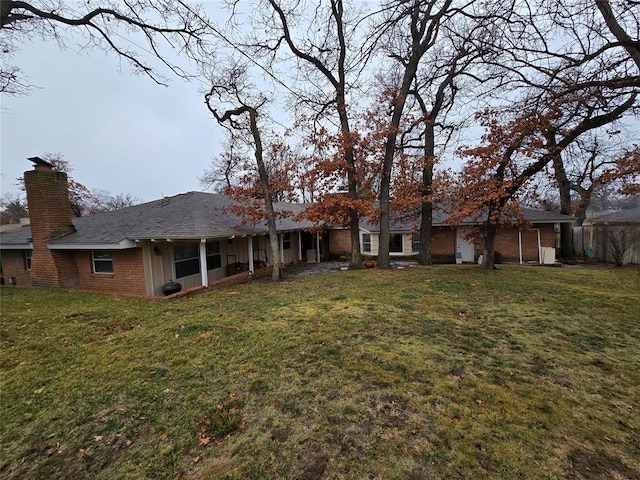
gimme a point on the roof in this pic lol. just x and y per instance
(188, 216)
(18, 238)
(440, 219)
(631, 215)
(198, 215)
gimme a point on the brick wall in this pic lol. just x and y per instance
(339, 242)
(50, 214)
(127, 277)
(443, 244)
(507, 242)
(13, 266)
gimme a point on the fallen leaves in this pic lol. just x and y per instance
(224, 421)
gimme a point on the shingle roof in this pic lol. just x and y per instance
(17, 237)
(631, 215)
(192, 215)
(197, 215)
(440, 219)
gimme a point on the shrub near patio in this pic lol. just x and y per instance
(427, 372)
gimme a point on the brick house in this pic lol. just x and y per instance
(193, 238)
(454, 244)
(197, 240)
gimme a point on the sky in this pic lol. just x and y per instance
(121, 132)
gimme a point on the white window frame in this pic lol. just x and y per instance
(415, 242)
(366, 243)
(106, 260)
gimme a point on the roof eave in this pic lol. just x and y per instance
(121, 245)
(16, 246)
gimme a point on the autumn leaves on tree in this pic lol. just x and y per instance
(430, 60)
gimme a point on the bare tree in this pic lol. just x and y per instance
(164, 25)
(103, 201)
(232, 87)
(625, 10)
(327, 62)
(219, 176)
(620, 241)
(414, 28)
(14, 207)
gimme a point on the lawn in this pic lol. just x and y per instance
(437, 372)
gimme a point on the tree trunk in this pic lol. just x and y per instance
(354, 217)
(384, 262)
(564, 191)
(489, 246)
(426, 217)
(276, 274)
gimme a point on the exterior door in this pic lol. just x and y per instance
(464, 246)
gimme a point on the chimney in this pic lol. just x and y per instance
(51, 217)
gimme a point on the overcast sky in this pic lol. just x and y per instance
(121, 132)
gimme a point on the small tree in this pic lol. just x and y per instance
(620, 241)
(13, 208)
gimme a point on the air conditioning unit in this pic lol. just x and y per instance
(548, 255)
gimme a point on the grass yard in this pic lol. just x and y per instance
(438, 372)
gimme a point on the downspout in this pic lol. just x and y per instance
(203, 262)
(590, 253)
(251, 265)
(281, 243)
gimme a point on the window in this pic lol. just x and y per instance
(415, 242)
(286, 241)
(102, 261)
(214, 258)
(395, 243)
(27, 259)
(366, 242)
(186, 259)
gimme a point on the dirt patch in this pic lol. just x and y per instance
(280, 434)
(598, 466)
(316, 469)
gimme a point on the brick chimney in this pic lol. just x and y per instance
(51, 217)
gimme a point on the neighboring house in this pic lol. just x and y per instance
(448, 244)
(193, 238)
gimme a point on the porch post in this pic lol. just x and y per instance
(203, 262)
(281, 242)
(299, 245)
(520, 244)
(318, 247)
(251, 266)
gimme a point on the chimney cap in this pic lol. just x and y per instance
(39, 162)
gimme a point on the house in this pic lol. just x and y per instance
(196, 239)
(193, 238)
(455, 244)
